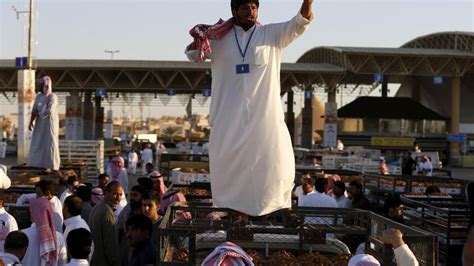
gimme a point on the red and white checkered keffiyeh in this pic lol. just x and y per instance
(228, 254)
(202, 33)
(42, 215)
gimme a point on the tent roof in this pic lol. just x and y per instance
(389, 107)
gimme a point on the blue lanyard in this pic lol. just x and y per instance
(246, 46)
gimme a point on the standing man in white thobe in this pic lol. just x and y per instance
(147, 157)
(44, 148)
(251, 154)
(132, 162)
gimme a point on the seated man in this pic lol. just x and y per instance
(359, 200)
(308, 189)
(341, 199)
(319, 199)
(314, 163)
(393, 209)
(383, 168)
(298, 192)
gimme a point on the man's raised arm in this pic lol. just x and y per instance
(306, 9)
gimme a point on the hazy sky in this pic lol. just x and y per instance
(158, 29)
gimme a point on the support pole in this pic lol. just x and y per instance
(99, 118)
(88, 117)
(455, 119)
(384, 88)
(307, 133)
(26, 98)
(30, 37)
(290, 115)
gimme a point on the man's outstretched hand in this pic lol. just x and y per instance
(306, 9)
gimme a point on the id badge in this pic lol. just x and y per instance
(243, 69)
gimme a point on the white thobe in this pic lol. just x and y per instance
(122, 178)
(78, 262)
(5, 181)
(147, 157)
(318, 199)
(132, 162)
(300, 198)
(343, 202)
(66, 193)
(73, 223)
(404, 256)
(32, 257)
(7, 225)
(251, 154)
(427, 167)
(9, 259)
(299, 192)
(55, 202)
(44, 148)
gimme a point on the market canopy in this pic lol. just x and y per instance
(388, 107)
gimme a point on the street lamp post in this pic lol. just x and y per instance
(30, 39)
(26, 88)
(112, 53)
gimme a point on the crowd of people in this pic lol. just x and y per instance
(88, 225)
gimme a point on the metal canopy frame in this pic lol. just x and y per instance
(450, 54)
(149, 76)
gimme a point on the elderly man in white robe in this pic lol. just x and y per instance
(251, 154)
(44, 148)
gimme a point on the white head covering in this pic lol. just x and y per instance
(47, 85)
(3, 168)
(5, 181)
(47, 90)
(228, 254)
(363, 260)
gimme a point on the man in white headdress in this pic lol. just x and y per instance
(251, 154)
(5, 181)
(44, 148)
(147, 157)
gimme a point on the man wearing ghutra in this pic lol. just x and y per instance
(251, 155)
(44, 148)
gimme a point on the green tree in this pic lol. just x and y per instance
(170, 133)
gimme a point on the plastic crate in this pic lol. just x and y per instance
(448, 218)
(290, 230)
(89, 152)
